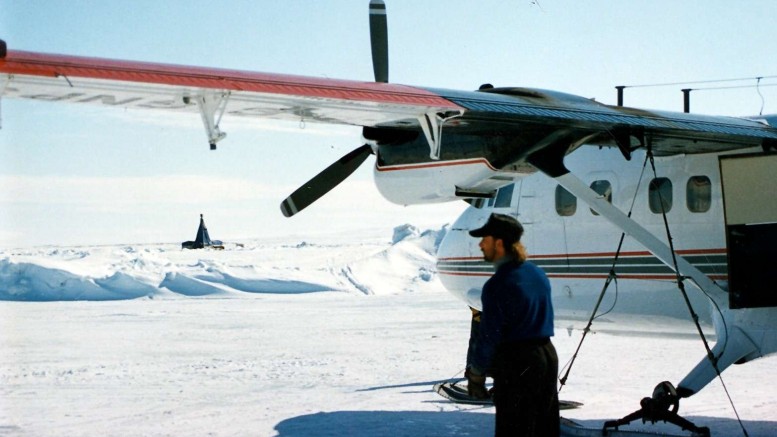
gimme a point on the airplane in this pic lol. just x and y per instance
(566, 166)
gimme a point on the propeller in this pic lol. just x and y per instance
(379, 40)
(331, 176)
(323, 182)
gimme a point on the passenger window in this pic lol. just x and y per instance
(504, 196)
(660, 195)
(698, 194)
(603, 188)
(566, 202)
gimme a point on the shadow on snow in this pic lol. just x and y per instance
(388, 424)
(474, 423)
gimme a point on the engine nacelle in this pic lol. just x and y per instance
(440, 181)
(470, 166)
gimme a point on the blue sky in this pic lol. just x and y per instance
(92, 175)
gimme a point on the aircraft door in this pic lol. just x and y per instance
(751, 229)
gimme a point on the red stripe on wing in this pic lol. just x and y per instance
(49, 65)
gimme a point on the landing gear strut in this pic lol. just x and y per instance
(657, 408)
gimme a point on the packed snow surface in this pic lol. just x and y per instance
(332, 336)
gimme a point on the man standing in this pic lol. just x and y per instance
(514, 344)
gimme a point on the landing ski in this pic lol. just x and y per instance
(570, 428)
(456, 392)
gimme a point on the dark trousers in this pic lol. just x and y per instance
(474, 335)
(525, 393)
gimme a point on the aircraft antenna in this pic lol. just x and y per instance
(706, 85)
(758, 90)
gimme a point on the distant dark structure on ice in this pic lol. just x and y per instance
(203, 239)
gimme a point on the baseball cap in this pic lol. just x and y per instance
(501, 226)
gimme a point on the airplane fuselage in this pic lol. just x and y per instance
(576, 247)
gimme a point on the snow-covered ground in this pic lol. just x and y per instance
(336, 335)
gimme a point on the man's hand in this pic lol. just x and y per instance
(476, 384)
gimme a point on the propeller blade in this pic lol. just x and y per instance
(323, 182)
(379, 40)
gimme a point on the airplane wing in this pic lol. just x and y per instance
(542, 116)
(72, 79)
(536, 117)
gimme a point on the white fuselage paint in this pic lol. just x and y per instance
(576, 250)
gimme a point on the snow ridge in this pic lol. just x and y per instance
(102, 273)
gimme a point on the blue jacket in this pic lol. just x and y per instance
(516, 306)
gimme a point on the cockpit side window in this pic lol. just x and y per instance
(566, 202)
(504, 197)
(477, 203)
(603, 188)
(698, 194)
(660, 195)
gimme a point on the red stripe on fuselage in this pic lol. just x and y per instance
(436, 164)
(667, 277)
(627, 254)
(596, 255)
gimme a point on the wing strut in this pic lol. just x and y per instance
(431, 124)
(210, 104)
